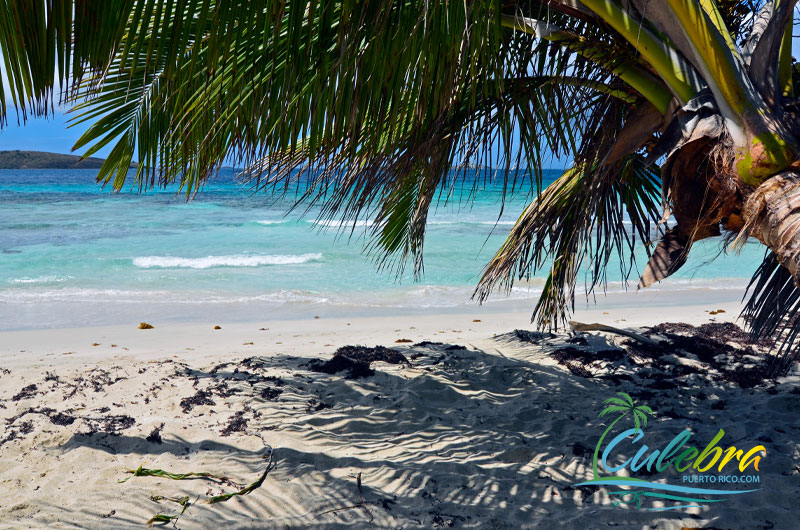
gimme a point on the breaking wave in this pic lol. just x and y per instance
(237, 260)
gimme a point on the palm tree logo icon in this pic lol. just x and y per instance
(624, 406)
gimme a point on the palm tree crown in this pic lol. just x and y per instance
(625, 406)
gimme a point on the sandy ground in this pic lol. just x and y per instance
(483, 427)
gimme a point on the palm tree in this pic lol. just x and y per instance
(624, 406)
(380, 108)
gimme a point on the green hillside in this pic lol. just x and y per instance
(42, 160)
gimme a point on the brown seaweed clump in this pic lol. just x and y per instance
(356, 360)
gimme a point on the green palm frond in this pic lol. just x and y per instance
(617, 401)
(199, 83)
(639, 421)
(623, 404)
(45, 44)
(628, 399)
(577, 221)
(424, 165)
(613, 408)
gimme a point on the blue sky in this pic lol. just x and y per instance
(42, 134)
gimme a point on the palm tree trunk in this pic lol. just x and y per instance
(772, 214)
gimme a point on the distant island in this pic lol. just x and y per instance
(42, 160)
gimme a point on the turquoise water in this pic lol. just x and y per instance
(74, 254)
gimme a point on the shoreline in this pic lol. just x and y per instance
(312, 335)
(104, 309)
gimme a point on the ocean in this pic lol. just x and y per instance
(73, 254)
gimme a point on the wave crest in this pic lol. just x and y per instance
(334, 223)
(40, 279)
(237, 260)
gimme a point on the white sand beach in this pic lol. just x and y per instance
(482, 427)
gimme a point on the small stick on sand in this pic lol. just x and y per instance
(362, 504)
(580, 326)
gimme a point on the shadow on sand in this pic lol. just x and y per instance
(461, 438)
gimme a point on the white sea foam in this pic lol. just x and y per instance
(237, 260)
(469, 222)
(40, 279)
(336, 223)
(295, 302)
(272, 221)
(341, 224)
(22, 295)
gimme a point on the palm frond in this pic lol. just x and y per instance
(640, 418)
(346, 107)
(45, 44)
(617, 401)
(627, 397)
(772, 311)
(739, 16)
(612, 409)
(578, 218)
